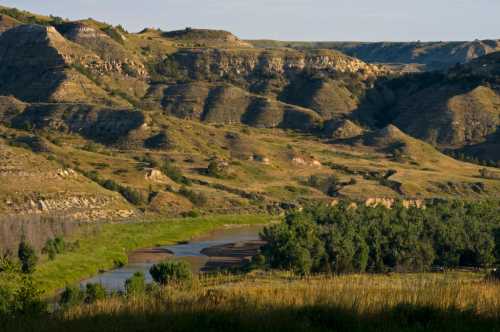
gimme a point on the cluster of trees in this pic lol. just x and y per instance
(342, 239)
(132, 195)
(25, 299)
(330, 185)
(487, 174)
(472, 159)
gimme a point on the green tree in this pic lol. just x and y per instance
(27, 256)
(294, 244)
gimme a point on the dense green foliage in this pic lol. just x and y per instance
(171, 271)
(25, 300)
(94, 292)
(57, 246)
(135, 285)
(343, 239)
(72, 295)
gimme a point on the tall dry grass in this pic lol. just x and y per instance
(283, 302)
(362, 294)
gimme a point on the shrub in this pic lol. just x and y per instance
(217, 168)
(329, 185)
(135, 285)
(27, 300)
(27, 256)
(111, 185)
(7, 263)
(174, 173)
(91, 147)
(6, 298)
(94, 292)
(198, 199)
(71, 296)
(53, 247)
(191, 214)
(171, 271)
(132, 195)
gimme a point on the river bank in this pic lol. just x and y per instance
(103, 247)
(229, 247)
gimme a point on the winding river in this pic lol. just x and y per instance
(221, 248)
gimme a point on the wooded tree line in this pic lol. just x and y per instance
(342, 239)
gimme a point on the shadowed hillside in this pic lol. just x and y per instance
(197, 121)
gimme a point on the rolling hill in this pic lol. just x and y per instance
(99, 123)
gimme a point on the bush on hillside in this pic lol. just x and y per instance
(174, 173)
(132, 195)
(111, 185)
(197, 198)
(217, 168)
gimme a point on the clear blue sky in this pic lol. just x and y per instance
(361, 20)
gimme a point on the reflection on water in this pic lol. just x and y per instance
(114, 280)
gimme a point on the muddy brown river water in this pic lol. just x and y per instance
(223, 248)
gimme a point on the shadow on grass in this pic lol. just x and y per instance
(313, 318)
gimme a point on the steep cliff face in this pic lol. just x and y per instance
(425, 55)
(36, 65)
(251, 64)
(115, 57)
(326, 82)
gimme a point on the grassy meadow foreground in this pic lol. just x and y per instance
(454, 301)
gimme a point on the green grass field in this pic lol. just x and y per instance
(106, 246)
